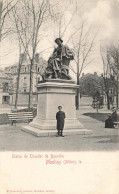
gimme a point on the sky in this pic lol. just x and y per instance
(101, 15)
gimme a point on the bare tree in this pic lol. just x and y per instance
(105, 75)
(6, 7)
(81, 40)
(113, 61)
(18, 76)
(110, 71)
(83, 48)
(16, 33)
(30, 19)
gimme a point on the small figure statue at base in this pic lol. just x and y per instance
(58, 63)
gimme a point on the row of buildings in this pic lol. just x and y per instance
(8, 81)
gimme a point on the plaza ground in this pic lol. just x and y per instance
(12, 138)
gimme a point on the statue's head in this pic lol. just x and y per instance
(58, 41)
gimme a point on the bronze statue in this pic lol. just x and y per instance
(58, 63)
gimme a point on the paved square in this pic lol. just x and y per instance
(12, 138)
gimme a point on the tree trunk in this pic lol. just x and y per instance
(18, 79)
(30, 104)
(17, 91)
(1, 4)
(77, 95)
(108, 101)
(77, 99)
(117, 90)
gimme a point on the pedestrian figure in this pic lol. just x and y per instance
(60, 116)
(109, 123)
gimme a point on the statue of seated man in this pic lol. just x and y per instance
(58, 63)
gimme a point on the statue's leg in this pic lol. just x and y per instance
(43, 77)
(59, 74)
(65, 75)
(55, 74)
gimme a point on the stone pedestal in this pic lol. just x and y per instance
(51, 94)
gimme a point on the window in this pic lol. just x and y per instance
(5, 87)
(38, 69)
(38, 79)
(25, 69)
(24, 90)
(24, 79)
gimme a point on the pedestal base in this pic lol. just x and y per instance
(51, 94)
(46, 133)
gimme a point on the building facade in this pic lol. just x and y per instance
(5, 87)
(24, 83)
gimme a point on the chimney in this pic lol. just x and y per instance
(37, 57)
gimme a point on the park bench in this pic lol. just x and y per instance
(116, 124)
(20, 117)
